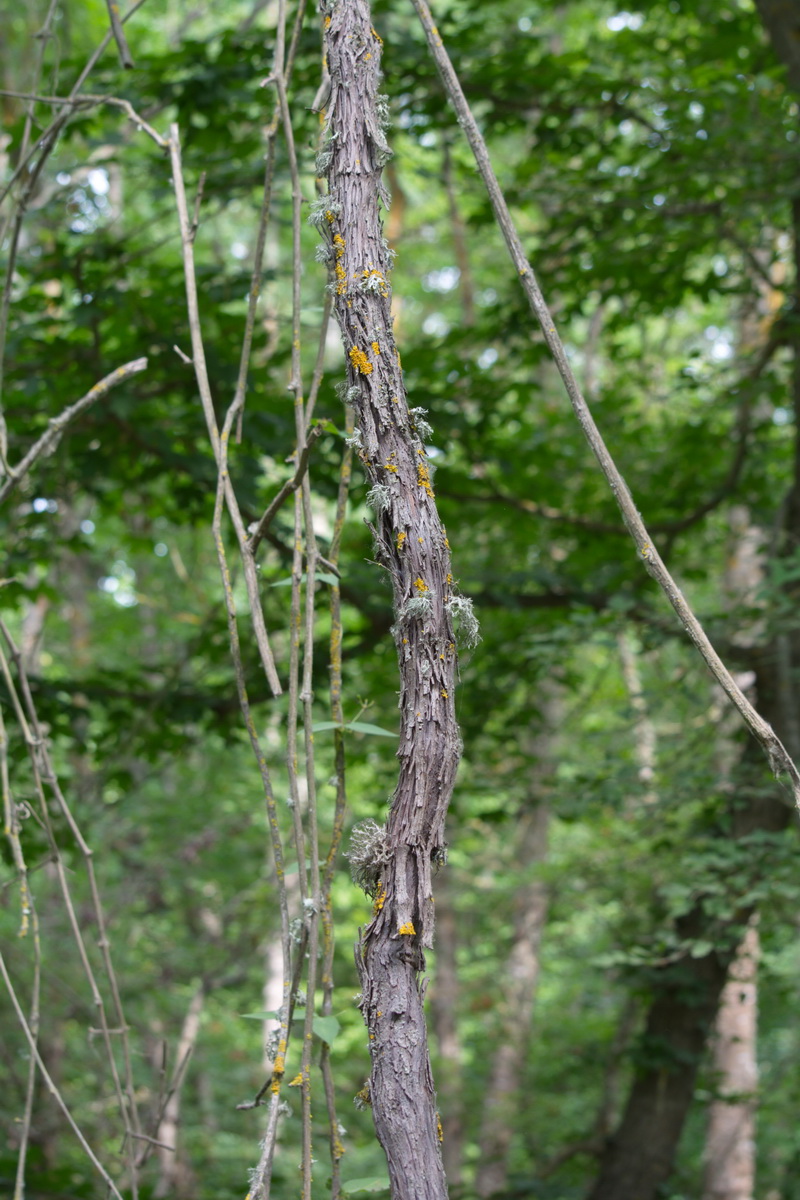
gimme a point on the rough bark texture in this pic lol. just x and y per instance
(730, 1139)
(638, 1159)
(411, 544)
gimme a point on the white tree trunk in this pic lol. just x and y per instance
(730, 1140)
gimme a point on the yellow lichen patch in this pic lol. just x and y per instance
(364, 1095)
(376, 347)
(444, 694)
(420, 584)
(329, 216)
(360, 361)
(277, 1070)
(327, 22)
(401, 537)
(439, 1130)
(338, 269)
(407, 928)
(377, 36)
(449, 577)
(390, 466)
(424, 479)
(380, 899)
(297, 1081)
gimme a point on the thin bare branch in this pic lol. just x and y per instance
(50, 439)
(29, 925)
(51, 1086)
(88, 100)
(290, 486)
(47, 139)
(204, 387)
(44, 773)
(779, 758)
(118, 34)
(261, 235)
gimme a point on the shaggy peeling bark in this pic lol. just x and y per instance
(395, 865)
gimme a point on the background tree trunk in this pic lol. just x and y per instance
(730, 1140)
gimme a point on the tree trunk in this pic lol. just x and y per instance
(520, 974)
(174, 1176)
(730, 1144)
(394, 864)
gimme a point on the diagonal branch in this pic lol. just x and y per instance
(779, 758)
(52, 435)
(291, 485)
(118, 34)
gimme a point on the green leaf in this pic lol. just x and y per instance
(320, 577)
(326, 1028)
(353, 727)
(376, 1184)
(259, 1016)
(365, 727)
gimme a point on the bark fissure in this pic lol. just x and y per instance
(411, 544)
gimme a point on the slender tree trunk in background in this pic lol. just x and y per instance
(443, 995)
(520, 972)
(645, 739)
(638, 1160)
(396, 863)
(730, 1139)
(174, 1175)
(729, 1155)
(503, 1099)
